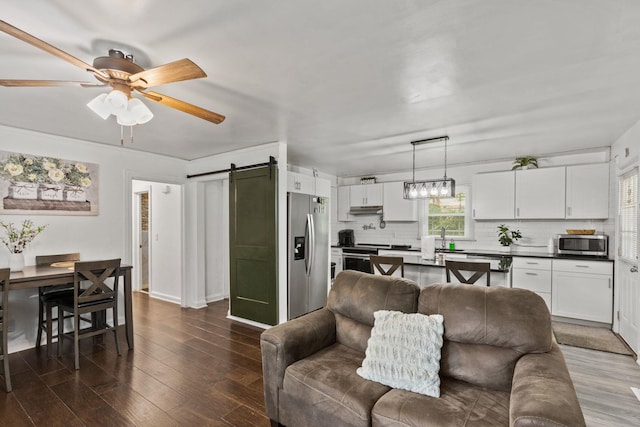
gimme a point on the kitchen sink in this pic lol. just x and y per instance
(449, 250)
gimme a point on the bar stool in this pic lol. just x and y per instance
(47, 298)
(387, 265)
(478, 268)
(101, 277)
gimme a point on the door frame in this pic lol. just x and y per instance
(621, 264)
(129, 218)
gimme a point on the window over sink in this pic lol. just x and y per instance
(452, 213)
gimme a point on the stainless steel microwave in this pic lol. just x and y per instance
(583, 244)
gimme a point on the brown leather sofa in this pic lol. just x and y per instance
(500, 363)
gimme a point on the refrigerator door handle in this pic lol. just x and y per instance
(306, 247)
(311, 242)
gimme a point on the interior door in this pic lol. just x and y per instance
(627, 259)
(253, 244)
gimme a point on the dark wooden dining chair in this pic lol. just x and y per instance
(48, 296)
(478, 269)
(4, 288)
(387, 265)
(95, 285)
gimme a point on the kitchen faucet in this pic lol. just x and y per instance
(442, 236)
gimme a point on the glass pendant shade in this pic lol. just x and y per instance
(117, 100)
(98, 106)
(139, 111)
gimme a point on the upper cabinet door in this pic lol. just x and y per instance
(299, 183)
(588, 191)
(395, 207)
(493, 195)
(366, 195)
(540, 193)
(344, 203)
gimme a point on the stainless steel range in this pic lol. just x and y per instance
(357, 257)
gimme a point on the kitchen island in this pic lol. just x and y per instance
(574, 287)
(429, 271)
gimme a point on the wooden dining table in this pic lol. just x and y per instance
(33, 276)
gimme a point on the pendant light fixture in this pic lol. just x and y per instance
(445, 187)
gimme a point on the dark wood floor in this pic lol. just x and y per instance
(196, 368)
(188, 367)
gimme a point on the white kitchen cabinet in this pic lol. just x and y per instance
(412, 272)
(583, 290)
(307, 184)
(493, 195)
(322, 187)
(344, 203)
(366, 195)
(394, 206)
(300, 183)
(540, 193)
(533, 274)
(588, 191)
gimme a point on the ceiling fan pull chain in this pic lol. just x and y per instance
(131, 127)
(121, 135)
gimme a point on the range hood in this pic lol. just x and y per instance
(365, 210)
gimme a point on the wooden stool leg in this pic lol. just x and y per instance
(40, 320)
(50, 328)
(5, 359)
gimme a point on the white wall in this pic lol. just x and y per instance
(95, 237)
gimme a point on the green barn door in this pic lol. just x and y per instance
(253, 244)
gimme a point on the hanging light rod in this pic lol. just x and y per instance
(429, 188)
(428, 140)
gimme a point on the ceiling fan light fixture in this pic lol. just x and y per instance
(117, 100)
(139, 111)
(98, 106)
(125, 119)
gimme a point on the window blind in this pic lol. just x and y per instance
(628, 224)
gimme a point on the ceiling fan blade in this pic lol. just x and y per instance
(41, 83)
(34, 41)
(184, 106)
(176, 71)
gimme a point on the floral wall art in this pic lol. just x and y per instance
(47, 185)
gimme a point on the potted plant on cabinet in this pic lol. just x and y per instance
(506, 236)
(525, 162)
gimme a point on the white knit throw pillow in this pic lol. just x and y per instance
(404, 351)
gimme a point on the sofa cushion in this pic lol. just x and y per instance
(355, 296)
(404, 351)
(486, 330)
(459, 404)
(326, 383)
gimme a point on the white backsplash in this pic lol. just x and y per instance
(535, 234)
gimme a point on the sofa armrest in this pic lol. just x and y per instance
(542, 393)
(289, 342)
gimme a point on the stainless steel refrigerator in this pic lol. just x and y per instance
(308, 247)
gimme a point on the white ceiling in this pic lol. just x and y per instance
(346, 83)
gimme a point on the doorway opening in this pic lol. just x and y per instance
(143, 236)
(156, 239)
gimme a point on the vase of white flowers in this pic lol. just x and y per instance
(18, 239)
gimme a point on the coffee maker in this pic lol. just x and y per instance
(345, 238)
